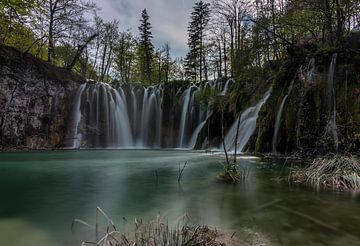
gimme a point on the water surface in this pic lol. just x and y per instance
(42, 192)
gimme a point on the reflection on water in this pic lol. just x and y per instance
(42, 192)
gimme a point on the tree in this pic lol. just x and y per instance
(167, 61)
(109, 36)
(145, 50)
(124, 56)
(14, 24)
(55, 20)
(195, 58)
(230, 15)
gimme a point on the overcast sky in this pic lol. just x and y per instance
(169, 19)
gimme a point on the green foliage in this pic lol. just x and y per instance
(124, 53)
(145, 50)
(210, 95)
(13, 31)
(195, 58)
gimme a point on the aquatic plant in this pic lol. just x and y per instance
(155, 233)
(181, 170)
(229, 177)
(334, 172)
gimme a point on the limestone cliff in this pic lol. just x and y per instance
(35, 101)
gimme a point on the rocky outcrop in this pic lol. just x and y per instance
(305, 122)
(35, 101)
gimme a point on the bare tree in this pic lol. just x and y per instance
(57, 18)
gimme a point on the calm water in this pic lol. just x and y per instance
(42, 192)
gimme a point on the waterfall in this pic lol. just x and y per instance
(195, 135)
(74, 137)
(331, 127)
(310, 70)
(123, 129)
(278, 117)
(246, 128)
(186, 96)
(134, 116)
(227, 87)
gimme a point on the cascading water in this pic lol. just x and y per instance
(227, 87)
(73, 138)
(195, 135)
(184, 115)
(106, 119)
(136, 117)
(278, 117)
(310, 70)
(246, 128)
(331, 127)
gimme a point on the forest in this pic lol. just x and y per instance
(238, 39)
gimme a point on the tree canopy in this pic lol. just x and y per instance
(226, 38)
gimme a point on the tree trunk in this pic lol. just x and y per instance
(201, 55)
(340, 21)
(102, 73)
(108, 62)
(236, 138)
(232, 48)
(223, 140)
(328, 21)
(220, 59)
(51, 38)
(80, 50)
(225, 56)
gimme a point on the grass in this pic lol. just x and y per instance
(154, 233)
(330, 172)
(230, 174)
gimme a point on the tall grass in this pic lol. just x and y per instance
(333, 172)
(152, 233)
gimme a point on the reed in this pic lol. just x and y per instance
(152, 233)
(339, 172)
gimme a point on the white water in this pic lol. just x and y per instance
(246, 128)
(184, 115)
(74, 137)
(331, 102)
(227, 87)
(195, 135)
(124, 136)
(311, 70)
(278, 117)
(135, 117)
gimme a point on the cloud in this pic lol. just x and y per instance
(169, 19)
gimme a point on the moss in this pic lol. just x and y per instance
(323, 54)
(267, 115)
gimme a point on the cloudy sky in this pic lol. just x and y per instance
(169, 19)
